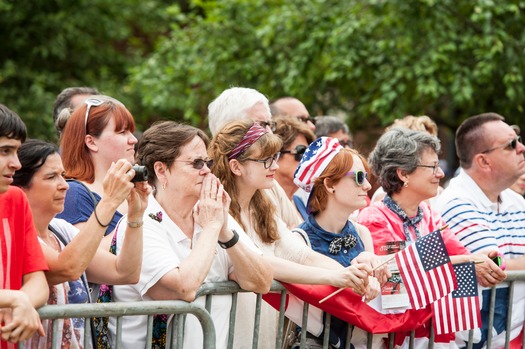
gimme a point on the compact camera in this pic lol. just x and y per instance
(141, 173)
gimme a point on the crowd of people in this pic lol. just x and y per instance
(274, 194)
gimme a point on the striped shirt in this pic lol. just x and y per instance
(482, 225)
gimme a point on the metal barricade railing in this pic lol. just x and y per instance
(118, 310)
(180, 308)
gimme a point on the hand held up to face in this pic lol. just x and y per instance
(138, 201)
(210, 210)
(117, 182)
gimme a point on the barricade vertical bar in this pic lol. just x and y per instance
(174, 327)
(509, 314)
(149, 332)
(432, 338)
(119, 332)
(304, 324)
(257, 321)
(326, 330)
(491, 316)
(349, 332)
(181, 325)
(87, 333)
(470, 339)
(208, 303)
(369, 340)
(233, 312)
(412, 338)
(280, 325)
(55, 331)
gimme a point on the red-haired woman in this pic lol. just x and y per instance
(98, 133)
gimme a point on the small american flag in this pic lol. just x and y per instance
(426, 270)
(314, 161)
(460, 310)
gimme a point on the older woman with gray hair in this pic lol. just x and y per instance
(407, 167)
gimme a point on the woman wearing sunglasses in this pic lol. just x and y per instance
(406, 165)
(337, 180)
(75, 257)
(296, 137)
(98, 133)
(188, 238)
(245, 160)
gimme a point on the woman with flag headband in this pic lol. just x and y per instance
(407, 167)
(245, 159)
(336, 179)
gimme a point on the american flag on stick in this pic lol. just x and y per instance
(426, 270)
(460, 310)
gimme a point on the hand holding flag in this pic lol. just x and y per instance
(426, 270)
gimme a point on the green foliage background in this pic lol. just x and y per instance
(373, 60)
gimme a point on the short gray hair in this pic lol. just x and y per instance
(399, 148)
(233, 104)
(325, 126)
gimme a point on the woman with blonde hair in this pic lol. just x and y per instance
(245, 159)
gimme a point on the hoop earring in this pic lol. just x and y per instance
(163, 186)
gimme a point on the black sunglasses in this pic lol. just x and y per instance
(306, 118)
(359, 176)
(298, 152)
(271, 124)
(198, 164)
(510, 145)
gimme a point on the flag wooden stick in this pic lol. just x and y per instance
(376, 267)
(342, 288)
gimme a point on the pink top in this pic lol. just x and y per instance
(386, 226)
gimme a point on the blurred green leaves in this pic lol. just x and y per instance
(374, 60)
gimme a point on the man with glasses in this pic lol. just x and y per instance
(239, 103)
(292, 107)
(486, 215)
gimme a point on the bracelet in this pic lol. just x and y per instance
(231, 242)
(135, 224)
(98, 220)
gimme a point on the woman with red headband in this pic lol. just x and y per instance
(245, 159)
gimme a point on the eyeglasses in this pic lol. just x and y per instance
(433, 167)
(198, 164)
(298, 152)
(91, 102)
(306, 118)
(510, 145)
(271, 124)
(268, 162)
(359, 176)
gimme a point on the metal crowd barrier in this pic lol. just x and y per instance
(181, 308)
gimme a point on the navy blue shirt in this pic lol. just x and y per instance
(79, 206)
(321, 239)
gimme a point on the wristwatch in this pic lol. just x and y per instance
(231, 242)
